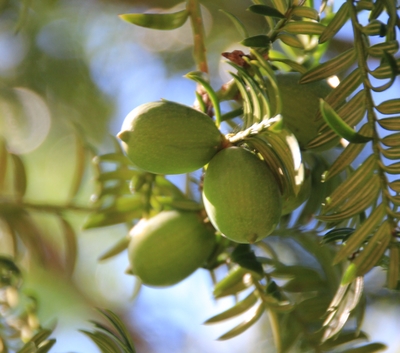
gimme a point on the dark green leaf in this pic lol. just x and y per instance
(339, 126)
(336, 23)
(340, 234)
(304, 27)
(164, 21)
(344, 338)
(120, 327)
(369, 348)
(105, 343)
(266, 11)
(259, 41)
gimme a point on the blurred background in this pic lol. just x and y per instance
(70, 71)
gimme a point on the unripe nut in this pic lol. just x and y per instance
(169, 138)
(300, 107)
(168, 247)
(241, 195)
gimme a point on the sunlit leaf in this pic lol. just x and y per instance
(331, 67)
(362, 232)
(250, 321)
(395, 185)
(340, 126)
(390, 123)
(235, 281)
(45, 346)
(239, 308)
(292, 64)
(361, 198)
(266, 11)
(374, 250)
(378, 50)
(391, 153)
(392, 140)
(391, 106)
(304, 11)
(375, 28)
(347, 86)
(352, 183)
(280, 5)
(163, 21)
(392, 168)
(385, 70)
(336, 23)
(304, 27)
(345, 300)
(346, 158)
(291, 40)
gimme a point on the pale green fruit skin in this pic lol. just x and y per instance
(169, 247)
(241, 196)
(169, 138)
(300, 107)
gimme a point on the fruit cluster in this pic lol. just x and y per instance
(242, 194)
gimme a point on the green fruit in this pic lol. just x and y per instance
(241, 196)
(300, 107)
(169, 138)
(169, 247)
